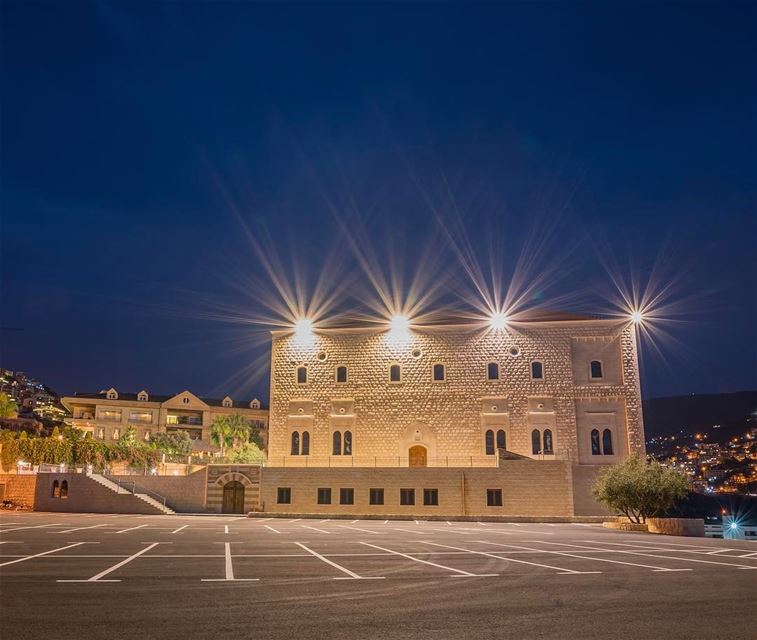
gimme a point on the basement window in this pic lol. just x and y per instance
(431, 497)
(407, 497)
(284, 495)
(494, 497)
(346, 496)
(376, 496)
(324, 496)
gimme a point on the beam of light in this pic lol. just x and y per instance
(498, 321)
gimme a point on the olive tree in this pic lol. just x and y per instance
(640, 489)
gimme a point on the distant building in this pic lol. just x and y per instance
(108, 414)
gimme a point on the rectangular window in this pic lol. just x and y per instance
(494, 497)
(376, 496)
(324, 496)
(140, 416)
(407, 497)
(431, 497)
(341, 374)
(395, 373)
(302, 375)
(284, 495)
(113, 415)
(346, 496)
(438, 372)
(537, 370)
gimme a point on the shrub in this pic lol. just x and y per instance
(248, 453)
(639, 489)
(173, 443)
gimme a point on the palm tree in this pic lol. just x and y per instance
(8, 407)
(240, 429)
(221, 432)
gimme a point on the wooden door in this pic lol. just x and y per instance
(233, 497)
(417, 456)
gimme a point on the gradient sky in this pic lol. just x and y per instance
(140, 140)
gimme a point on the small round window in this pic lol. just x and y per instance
(322, 357)
(514, 352)
(417, 353)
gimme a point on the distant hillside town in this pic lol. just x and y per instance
(38, 407)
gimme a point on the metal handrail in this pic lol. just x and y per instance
(135, 488)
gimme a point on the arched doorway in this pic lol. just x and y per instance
(233, 497)
(417, 456)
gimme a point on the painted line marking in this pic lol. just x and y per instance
(748, 555)
(458, 572)
(344, 526)
(712, 553)
(352, 575)
(322, 521)
(271, 528)
(96, 578)
(39, 526)
(264, 519)
(574, 555)
(354, 521)
(295, 520)
(421, 533)
(45, 553)
(481, 523)
(560, 570)
(315, 529)
(94, 526)
(650, 555)
(225, 528)
(141, 526)
(180, 528)
(229, 569)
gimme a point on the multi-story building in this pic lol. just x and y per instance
(108, 414)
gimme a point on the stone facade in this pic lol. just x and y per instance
(219, 480)
(18, 489)
(449, 417)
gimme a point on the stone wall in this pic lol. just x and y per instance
(584, 503)
(183, 493)
(449, 418)
(529, 488)
(20, 489)
(219, 475)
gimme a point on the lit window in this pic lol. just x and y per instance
(341, 374)
(607, 442)
(302, 375)
(501, 439)
(116, 434)
(489, 442)
(431, 497)
(348, 443)
(324, 496)
(547, 439)
(595, 446)
(407, 497)
(376, 496)
(494, 497)
(336, 443)
(346, 496)
(537, 370)
(305, 443)
(64, 489)
(295, 450)
(395, 373)
(492, 371)
(56, 489)
(535, 442)
(438, 373)
(284, 495)
(595, 370)
(227, 402)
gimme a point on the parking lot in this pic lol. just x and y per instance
(114, 576)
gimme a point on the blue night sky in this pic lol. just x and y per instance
(141, 140)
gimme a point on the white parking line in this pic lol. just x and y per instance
(560, 570)
(345, 526)
(38, 526)
(650, 555)
(458, 572)
(351, 574)
(180, 528)
(295, 520)
(141, 526)
(421, 533)
(94, 526)
(574, 555)
(229, 569)
(46, 553)
(315, 528)
(271, 528)
(96, 578)
(263, 519)
(225, 528)
(748, 555)
(322, 521)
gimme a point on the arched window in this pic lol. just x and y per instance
(56, 489)
(348, 443)
(64, 489)
(607, 442)
(302, 375)
(595, 370)
(537, 370)
(595, 449)
(395, 373)
(438, 373)
(547, 440)
(489, 442)
(535, 442)
(295, 443)
(336, 444)
(492, 371)
(341, 374)
(501, 439)
(305, 443)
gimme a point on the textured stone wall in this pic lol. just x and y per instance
(86, 496)
(218, 475)
(20, 489)
(449, 418)
(185, 493)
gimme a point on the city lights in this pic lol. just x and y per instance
(498, 320)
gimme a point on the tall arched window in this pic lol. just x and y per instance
(535, 442)
(348, 443)
(295, 443)
(489, 442)
(595, 370)
(341, 374)
(336, 444)
(492, 371)
(64, 489)
(501, 439)
(305, 443)
(547, 440)
(438, 373)
(595, 448)
(302, 375)
(607, 442)
(56, 489)
(395, 373)
(537, 370)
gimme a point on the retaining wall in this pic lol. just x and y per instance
(18, 488)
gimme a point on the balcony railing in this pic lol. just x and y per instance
(383, 461)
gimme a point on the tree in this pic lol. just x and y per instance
(239, 428)
(8, 407)
(640, 489)
(221, 432)
(172, 442)
(247, 453)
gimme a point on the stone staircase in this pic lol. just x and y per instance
(117, 488)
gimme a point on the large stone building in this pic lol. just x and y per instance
(109, 413)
